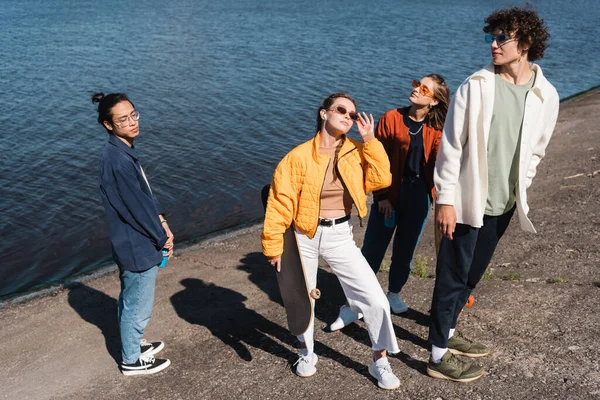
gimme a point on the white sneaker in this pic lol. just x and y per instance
(145, 366)
(396, 303)
(305, 366)
(345, 318)
(150, 348)
(382, 371)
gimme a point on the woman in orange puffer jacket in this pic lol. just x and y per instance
(314, 186)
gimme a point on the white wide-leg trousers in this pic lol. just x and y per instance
(362, 289)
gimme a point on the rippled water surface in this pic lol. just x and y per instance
(225, 89)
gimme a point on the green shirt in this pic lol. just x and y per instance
(504, 144)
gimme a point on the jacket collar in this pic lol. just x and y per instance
(539, 87)
(427, 129)
(347, 146)
(112, 139)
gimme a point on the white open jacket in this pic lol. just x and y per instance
(461, 175)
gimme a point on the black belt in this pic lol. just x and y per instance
(332, 222)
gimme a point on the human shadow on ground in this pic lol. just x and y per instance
(415, 315)
(261, 273)
(224, 313)
(98, 309)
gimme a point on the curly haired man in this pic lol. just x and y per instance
(496, 132)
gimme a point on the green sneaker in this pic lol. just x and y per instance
(452, 368)
(460, 345)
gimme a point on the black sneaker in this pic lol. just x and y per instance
(150, 348)
(145, 366)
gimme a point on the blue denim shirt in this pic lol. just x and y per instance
(135, 230)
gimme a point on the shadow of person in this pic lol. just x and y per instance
(262, 274)
(403, 334)
(417, 365)
(224, 313)
(98, 309)
(417, 316)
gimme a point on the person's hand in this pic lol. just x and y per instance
(445, 219)
(276, 262)
(385, 207)
(170, 243)
(366, 126)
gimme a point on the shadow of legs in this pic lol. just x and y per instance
(98, 309)
(224, 313)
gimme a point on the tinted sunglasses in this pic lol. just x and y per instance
(342, 110)
(423, 90)
(500, 39)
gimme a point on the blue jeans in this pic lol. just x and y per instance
(411, 216)
(461, 264)
(134, 309)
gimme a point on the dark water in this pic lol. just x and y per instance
(225, 89)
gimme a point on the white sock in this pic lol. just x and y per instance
(437, 353)
(451, 332)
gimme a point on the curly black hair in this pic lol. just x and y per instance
(529, 29)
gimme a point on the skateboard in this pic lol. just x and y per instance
(292, 282)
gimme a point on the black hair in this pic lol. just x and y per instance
(106, 104)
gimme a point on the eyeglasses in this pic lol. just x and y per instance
(423, 90)
(342, 110)
(500, 38)
(124, 121)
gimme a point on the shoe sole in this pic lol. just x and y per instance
(314, 372)
(154, 350)
(470, 355)
(439, 375)
(382, 386)
(146, 371)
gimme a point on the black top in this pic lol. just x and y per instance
(416, 152)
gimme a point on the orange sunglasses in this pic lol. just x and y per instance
(423, 90)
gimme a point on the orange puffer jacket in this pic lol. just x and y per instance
(295, 194)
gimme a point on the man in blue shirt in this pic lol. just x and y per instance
(138, 231)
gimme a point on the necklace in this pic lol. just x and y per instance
(414, 133)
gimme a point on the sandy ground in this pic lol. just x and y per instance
(219, 312)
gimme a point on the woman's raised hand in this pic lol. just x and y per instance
(366, 126)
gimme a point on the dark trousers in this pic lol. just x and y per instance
(460, 265)
(411, 209)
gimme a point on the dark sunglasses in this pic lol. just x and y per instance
(500, 38)
(342, 110)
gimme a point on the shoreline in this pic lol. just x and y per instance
(109, 267)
